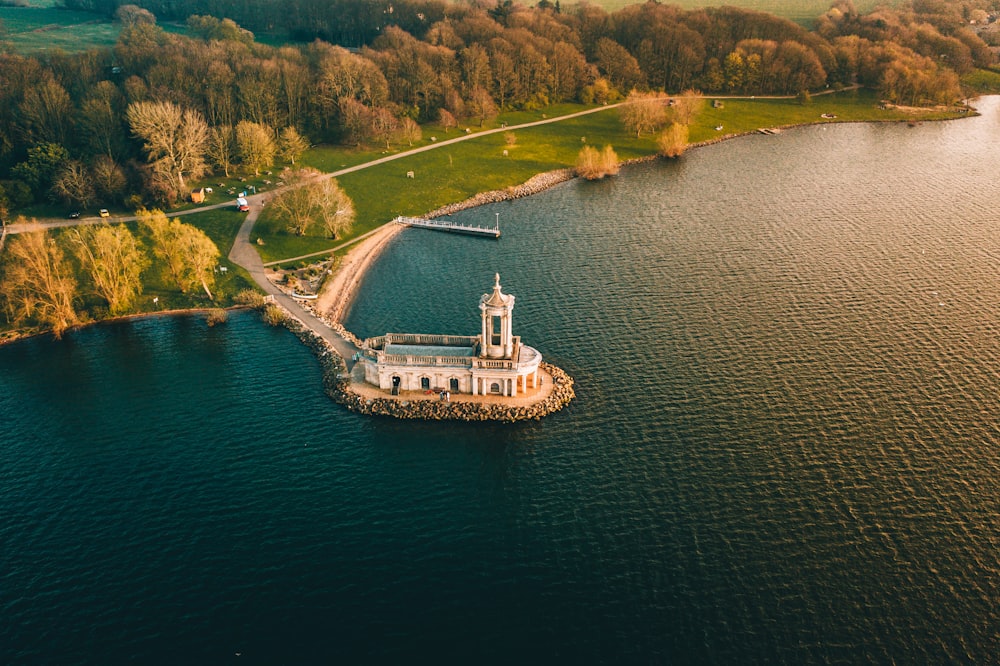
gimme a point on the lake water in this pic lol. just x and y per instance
(785, 445)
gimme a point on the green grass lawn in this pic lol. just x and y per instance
(985, 81)
(33, 29)
(456, 172)
(800, 11)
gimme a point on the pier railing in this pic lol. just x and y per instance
(442, 225)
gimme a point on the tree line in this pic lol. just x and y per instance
(137, 123)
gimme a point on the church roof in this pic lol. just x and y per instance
(497, 298)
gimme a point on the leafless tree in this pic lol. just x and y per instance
(174, 139)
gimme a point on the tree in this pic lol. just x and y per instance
(114, 261)
(109, 179)
(295, 203)
(643, 112)
(292, 144)
(38, 285)
(446, 119)
(310, 198)
(46, 112)
(101, 119)
(174, 139)
(384, 125)
(73, 184)
(409, 130)
(617, 64)
(221, 147)
(673, 141)
(39, 170)
(687, 106)
(481, 105)
(356, 118)
(188, 254)
(336, 210)
(256, 146)
(130, 15)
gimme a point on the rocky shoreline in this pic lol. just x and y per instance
(537, 183)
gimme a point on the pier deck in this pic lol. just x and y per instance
(442, 225)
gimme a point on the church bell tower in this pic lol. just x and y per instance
(497, 309)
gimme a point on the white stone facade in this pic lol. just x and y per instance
(492, 363)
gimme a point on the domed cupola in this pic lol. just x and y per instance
(497, 336)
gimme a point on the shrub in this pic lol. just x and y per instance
(673, 141)
(273, 315)
(250, 298)
(217, 316)
(594, 165)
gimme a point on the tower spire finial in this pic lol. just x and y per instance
(497, 285)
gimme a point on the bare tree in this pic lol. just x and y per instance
(221, 147)
(114, 261)
(384, 125)
(446, 119)
(73, 184)
(174, 139)
(109, 178)
(356, 118)
(310, 198)
(643, 112)
(295, 203)
(481, 105)
(409, 130)
(336, 210)
(686, 106)
(256, 146)
(38, 285)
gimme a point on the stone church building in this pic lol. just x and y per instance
(491, 363)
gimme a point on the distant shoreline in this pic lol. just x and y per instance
(348, 276)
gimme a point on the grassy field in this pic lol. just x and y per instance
(456, 172)
(985, 81)
(800, 11)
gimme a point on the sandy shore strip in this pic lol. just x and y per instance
(338, 292)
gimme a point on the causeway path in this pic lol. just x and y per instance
(244, 254)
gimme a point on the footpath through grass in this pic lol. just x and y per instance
(456, 172)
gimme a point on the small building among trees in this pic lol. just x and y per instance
(198, 195)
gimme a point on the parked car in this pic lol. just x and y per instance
(74, 216)
(104, 212)
(242, 205)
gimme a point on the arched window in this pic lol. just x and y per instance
(425, 382)
(494, 387)
(453, 384)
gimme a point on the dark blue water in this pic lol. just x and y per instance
(785, 446)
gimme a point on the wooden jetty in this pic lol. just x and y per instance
(441, 225)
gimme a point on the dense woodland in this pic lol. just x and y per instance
(134, 125)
